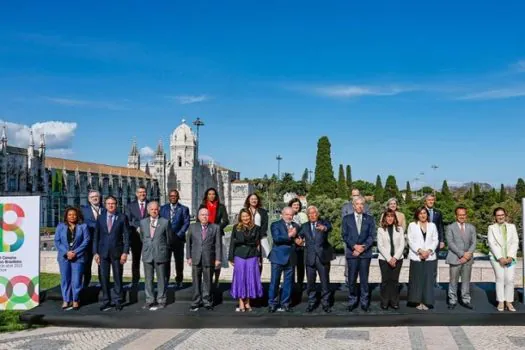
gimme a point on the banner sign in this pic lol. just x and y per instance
(19, 252)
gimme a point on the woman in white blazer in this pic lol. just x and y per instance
(422, 241)
(391, 244)
(503, 243)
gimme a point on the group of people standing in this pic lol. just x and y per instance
(300, 247)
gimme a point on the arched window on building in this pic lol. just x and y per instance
(179, 161)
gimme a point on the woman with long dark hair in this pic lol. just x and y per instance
(71, 241)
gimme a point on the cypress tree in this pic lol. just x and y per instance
(342, 189)
(349, 179)
(324, 182)
(304, 179)
(520, 190)
(445, 191)
(476, 191)
(502, 194)
(391, 189)
(408, 195)
(378, 194)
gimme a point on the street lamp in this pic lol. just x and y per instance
(198, 123)
(279, 158)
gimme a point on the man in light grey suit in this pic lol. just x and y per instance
(461, 238)
(203, 253)
(155, 234)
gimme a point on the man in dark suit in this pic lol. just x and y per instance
(282, 256)
(436, 217)
(135, 212)
(111, 248)
(358, 234)
(155, 233)
(91, 212)
(179, 218)
(203, 254)
(318, 256)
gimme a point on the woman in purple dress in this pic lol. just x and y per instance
(244, 257)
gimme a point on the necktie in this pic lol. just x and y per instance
(431, 215)
(110, 222)
(152, 228)
(359, 223)
(142, 209)
(172, 211)
(96, 212)
(462, 229)
(204, 232)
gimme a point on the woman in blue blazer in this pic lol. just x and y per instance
(71, 241)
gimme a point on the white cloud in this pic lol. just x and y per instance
(58, 135)
(189, 99)
(63, 101)
(146, 152)
(353, 91)
(495, 94)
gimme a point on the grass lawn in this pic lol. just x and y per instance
(9, 319)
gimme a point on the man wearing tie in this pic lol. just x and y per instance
(136, 211)
(111, 248)
(436, 217)
(318, 256)
(155, 234)
(203, 254)
(90, 212)
(179, 218)
(358, 234)
(461, 238)
(282, 256)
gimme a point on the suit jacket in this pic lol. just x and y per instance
(283, 250)
(89, 219)
(114, 243)
(416, 241)
(348, 209)
(459, 244)
(496, 242)
(134, 217)
(221, 218)
(180, 221)
(317, 244)
(205, 252)
(351, 236)
(156, 249)
(81, 241)
(438, 221)
(383, 243)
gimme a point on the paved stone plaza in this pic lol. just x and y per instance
(54, 338)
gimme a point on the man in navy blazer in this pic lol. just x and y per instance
(179, 218)
(111, 248)
(358, 232)
(90, 212)
(318, 256)
(282, 256)
(136, 211)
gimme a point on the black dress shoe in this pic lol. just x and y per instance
(287, 309)
(146, 306)
(118, 307)
(351, 307)
(161, 306)
(451, 306)
(395, 306)
(272, 309)
(327, 309)
(310, 308)
(384, 307)
(194, 308)
(365, 308)
(209, 307)
(105, 306)
(468, 306)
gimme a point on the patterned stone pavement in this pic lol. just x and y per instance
(462, 338)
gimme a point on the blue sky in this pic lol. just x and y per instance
(396, 88)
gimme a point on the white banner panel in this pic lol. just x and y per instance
(19, 252)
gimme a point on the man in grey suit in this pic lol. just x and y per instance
(461, 238)
(203, 253)
(155, 234)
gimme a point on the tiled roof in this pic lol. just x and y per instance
(94, 168)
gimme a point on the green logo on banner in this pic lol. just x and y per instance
(11, 227)
(10, 301)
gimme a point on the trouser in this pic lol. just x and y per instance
(300, 266)
(150, 269)
(389, 290)
(105, 265)
(463, 270)
(202, 285)
(361, 267)
(311, 274)
(177, 249)
(275, 281)
(504, 281)
(136, 251)
(70, 279)
(88, 262)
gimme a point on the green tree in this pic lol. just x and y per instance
(520, 190)
(366, 188)
(502, 194)
(391, 190)
(342, 189)
(445, 191)
(324, 182)
(330, 209)
(304, 178)
(349, 179)
(378, 193)
(476, 190)
(408, 194)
